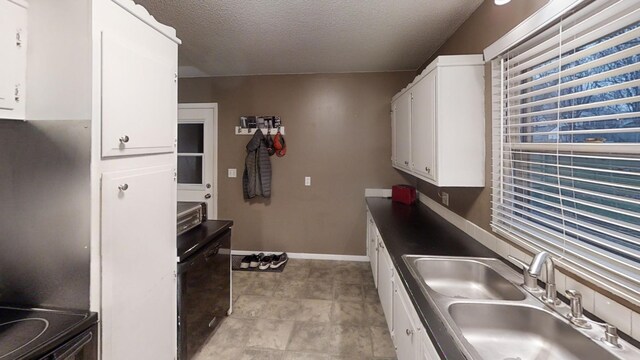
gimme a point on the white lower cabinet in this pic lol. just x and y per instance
(385, 283)
(409, 336)
(138, 264)
(406, 332)
(372, 247)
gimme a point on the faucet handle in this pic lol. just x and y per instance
(611, 335)
(574, 295)
(524, 265)
(530, 282)
(575, 316)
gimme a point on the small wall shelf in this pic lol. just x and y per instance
(248, 131)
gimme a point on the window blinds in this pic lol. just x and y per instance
(566, 143)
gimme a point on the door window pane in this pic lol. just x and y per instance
(189, 169)
(191, 138)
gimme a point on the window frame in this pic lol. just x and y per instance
(582, 263)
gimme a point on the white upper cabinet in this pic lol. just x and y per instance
(402, 131)
(423, 127)
(139, 91)
(13, 52)
(441, 131)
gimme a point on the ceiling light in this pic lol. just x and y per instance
(501, 2)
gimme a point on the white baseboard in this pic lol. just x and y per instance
(310, 256)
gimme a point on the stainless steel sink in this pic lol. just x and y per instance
(490, 316)
(498, 331)
(465, 279)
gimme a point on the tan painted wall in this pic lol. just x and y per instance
(486, 25)
(337, 132)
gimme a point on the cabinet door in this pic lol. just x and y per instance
(423, 127)
(138, 264)
(373, 249)
(427, 351)
(385, 283)
(405, 335)
(403, 130)
(139, 93)
(373, 243)
(13, 21)
(393, 133)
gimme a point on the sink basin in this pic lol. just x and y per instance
(465, 279)
(510, 332)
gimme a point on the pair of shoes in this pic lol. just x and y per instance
(273, 261)
(251, 261)
(263, 262)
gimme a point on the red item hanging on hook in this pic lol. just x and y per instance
(279, 144)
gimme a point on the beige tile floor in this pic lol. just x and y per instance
(312, 310)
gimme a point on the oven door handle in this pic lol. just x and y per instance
(75, 348)
(212, 252)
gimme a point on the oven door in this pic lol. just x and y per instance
(204, 284)
(81, 347)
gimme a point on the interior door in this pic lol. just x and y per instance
(138, 264)
(423, 127)
(403, 130)
(197, 135)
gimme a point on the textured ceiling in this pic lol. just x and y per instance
(243, 37)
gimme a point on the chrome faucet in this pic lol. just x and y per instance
(535, 269)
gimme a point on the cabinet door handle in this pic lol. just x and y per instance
(123, 187)
(124, 139)
(409, 332)
(406, 163)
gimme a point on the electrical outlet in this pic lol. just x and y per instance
(232, 173)
(445, 199)
(307, 181)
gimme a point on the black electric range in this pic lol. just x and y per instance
(44, 334)
(204, 283)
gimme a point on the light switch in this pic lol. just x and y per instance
(232, 173)
(307, 181)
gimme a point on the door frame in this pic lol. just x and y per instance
(213, 213)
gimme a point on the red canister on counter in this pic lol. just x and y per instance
(403, 194)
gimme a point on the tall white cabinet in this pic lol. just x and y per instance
(13, 52)
(438, 123)
(111, 64)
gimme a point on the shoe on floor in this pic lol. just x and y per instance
(279, 260)
(256, 259)
(246, 261)
(265, 263)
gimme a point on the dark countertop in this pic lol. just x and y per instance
(61, 326)
(417, 230)
(189, 242)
